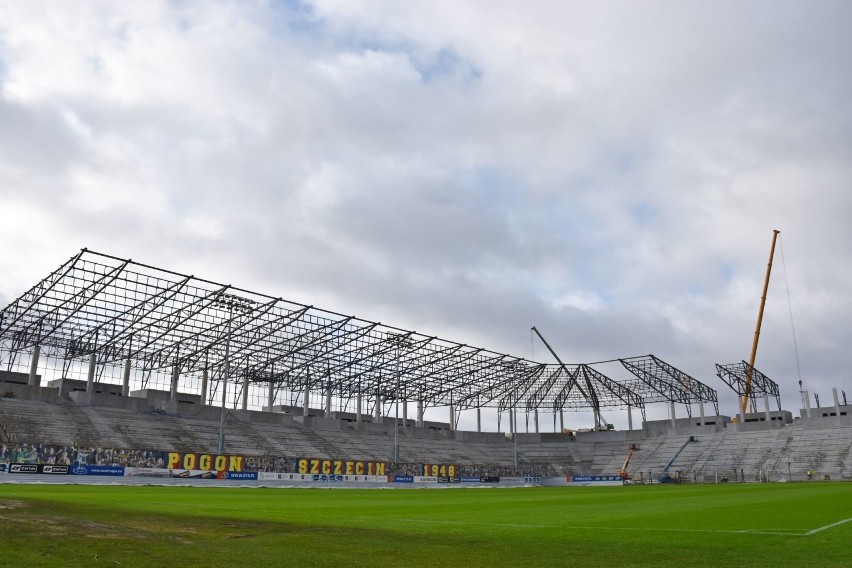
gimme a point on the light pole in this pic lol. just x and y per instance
(399, 340)
(242, 305)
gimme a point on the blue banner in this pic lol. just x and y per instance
(82, 469)
(593, 478)
(403, 479)
(470, 479)
(248, 475)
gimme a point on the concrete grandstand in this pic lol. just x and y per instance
(114, 356)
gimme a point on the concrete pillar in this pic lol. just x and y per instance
(34, 378)
(478, 419)
(561, 419)
(174, 389)
(701, 410)
(246, 385)
(766, 407)
(328, 403)
(420, 413)
(93, 363)
(452, 417)
(307, 400)
(205, 385)
(512, 421)
(405, 416)
(358, 403)
(630, 418)
(673, 415)
(807, 398)
(270, 395)
(378, 408)
(836, 403)
(125, 382)
(536, 420)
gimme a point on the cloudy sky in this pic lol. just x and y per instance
(610, 172)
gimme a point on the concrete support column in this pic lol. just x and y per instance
(358, 403)
(673, 415)
(536, 420)
(125, 382)
(630, 418)
(766, 408)
(174, 389)
(512, 422)
(701, 410)
(561, 419)
(328, 403)
(807, 397)
(205, 385)
(93, 364)
(452, 417)
(378, 408)
(420, 413)
(34, 379)
(836, 403)
(478, 419)
(405, 416)
(246, 385)
(270, 396)
(307, 401)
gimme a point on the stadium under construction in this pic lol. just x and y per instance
(111, 363)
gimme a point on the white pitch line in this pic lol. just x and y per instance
(820, 529)
(771, 532)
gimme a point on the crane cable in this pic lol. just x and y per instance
(792, 323)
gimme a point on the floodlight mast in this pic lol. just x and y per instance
(242, 305)
(744, 401)
(591, 397)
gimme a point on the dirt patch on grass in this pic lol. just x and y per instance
(6, 504)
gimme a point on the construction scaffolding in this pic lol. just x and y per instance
(109, 319)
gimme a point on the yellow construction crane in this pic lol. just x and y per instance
(744, 401)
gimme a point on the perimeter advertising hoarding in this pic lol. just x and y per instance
(110, 470)
(321, 478)
(33, 468)
(146, 472)
(198, 474)
(596, 480)
(244, 475)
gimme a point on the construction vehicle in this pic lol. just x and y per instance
(665, 476)
(622, 473)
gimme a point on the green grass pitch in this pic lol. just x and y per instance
(781, 524)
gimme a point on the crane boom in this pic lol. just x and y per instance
(749, 371)
(591, 397)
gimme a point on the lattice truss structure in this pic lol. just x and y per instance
(166, 323)
(658, 381)
(735, 376)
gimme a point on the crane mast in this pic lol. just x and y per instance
(745, 397)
